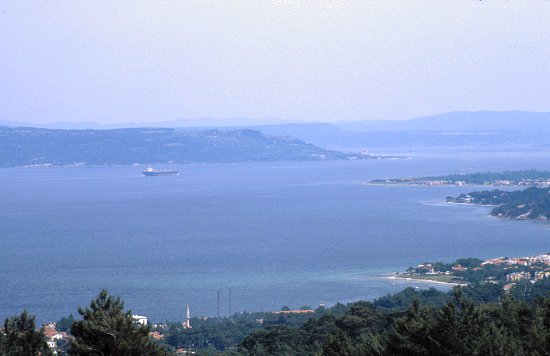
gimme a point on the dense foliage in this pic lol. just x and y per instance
(530, 203)
(227, 332)
(105, 329)
(65, 323)
(20, 337)
(458, 327)
(362, 327)
(476, 320)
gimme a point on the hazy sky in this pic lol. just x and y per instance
(121, 61)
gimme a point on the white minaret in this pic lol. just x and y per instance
(187, 322)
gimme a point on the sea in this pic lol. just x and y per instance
(259, 235)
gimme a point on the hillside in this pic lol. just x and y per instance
(460, 121)
(531, 203)
(461, 128)
(34, 146)
(516, 130)
(454, 129)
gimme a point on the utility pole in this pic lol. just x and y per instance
(230, 302)
(218, 303)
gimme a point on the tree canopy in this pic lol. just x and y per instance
(21, 338)
(105, 329)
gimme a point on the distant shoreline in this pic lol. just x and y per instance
(138, 164)
(425, 280)
(471, 204)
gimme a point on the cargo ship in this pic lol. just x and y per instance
(151, 172)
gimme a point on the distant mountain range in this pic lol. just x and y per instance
(205, 123)
(39, 147)
(460, 121)
(466, 121)
(471, 129)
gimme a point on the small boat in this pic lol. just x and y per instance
(151, 172)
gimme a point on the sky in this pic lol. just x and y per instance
(295, 61)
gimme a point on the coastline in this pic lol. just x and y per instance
(472, 204)
(426, 280)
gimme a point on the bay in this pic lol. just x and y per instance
(276, 234)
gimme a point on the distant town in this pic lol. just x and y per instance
(524, 178)
(503, 271)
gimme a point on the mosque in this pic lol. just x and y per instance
(187, 323)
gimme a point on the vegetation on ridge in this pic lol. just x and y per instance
(474, 320)
(105, 329)
(531, 203)
(25, 146)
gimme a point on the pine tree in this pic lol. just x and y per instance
(107, 330)
(458, 327)
(338, 345)
(411, 335)
(21, 338)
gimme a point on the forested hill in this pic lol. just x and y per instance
(531, 203)
(25, 146)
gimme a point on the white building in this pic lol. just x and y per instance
(187, 323)
(140, 319)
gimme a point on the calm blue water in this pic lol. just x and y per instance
(276, 233)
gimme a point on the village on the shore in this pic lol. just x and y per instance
(539, 183)
(504, 271)
(522, 178)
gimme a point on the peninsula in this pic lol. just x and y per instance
(37, 147)
(528, 204)
(524, 178)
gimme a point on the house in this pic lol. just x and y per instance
(304, 311)
(518, 276)
(518, 261)
(156, 335)
(52, 335)
(49, 330)
(459, 268)
(494, 261)
(427, 267)
(140, 319)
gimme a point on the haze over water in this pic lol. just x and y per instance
(276, 233)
